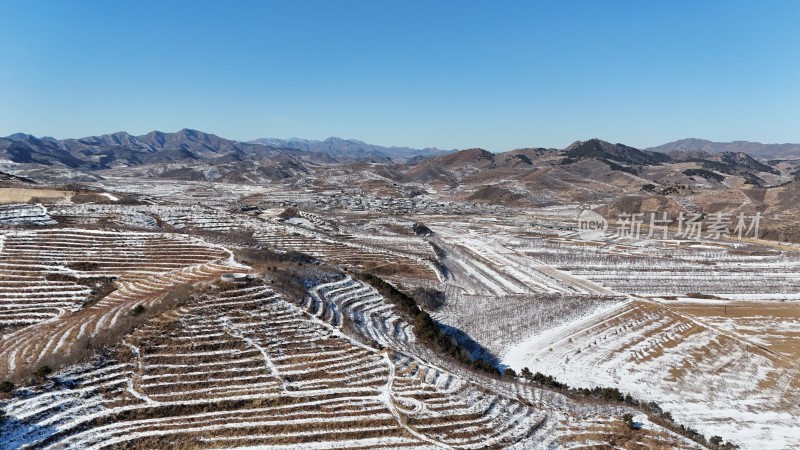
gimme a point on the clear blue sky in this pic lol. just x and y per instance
(451, 74)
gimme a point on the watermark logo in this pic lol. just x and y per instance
(718, 225)
(591, 226)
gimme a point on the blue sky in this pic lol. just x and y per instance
(450, 74)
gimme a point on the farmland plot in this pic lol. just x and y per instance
(674, 267)
(536, 302)
(707, 379)
(427, 394)
(241, 367)
(50, 277)
(499, 295)
(407, 268)
(23, 214)
(775, 325)
(275, 376)
(395, 234)
(365, 309)
(25, 195)
(411, 258)
(187, 192)
(148, 216)
(594, 432)
(490, 263)
(501, 322)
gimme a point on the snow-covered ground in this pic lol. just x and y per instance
(24, 214)
(242, 367)
(710, 373)
(707, 379)
(271, 375)
(42, 297)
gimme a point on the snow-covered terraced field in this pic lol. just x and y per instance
(496, 264)
(412, 255)
(673, 268)
(43, 298)
(708, 379)
(364, 307)
(429, 396)
(499, 295)
(388, 233)
(346, 253)
(241, 367)
(237, 366)
(569, 308)
(359, 246)
(187, 192)
(203, 218)
(426, 395)
(77, 215)
(24, 214)
(147, 216)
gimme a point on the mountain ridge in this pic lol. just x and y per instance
(190, 154)
(757, 150)
(122, 149)
(350, 148)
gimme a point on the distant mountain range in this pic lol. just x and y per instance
(195, 155)
(618, 157)
(351, 149)
(754, 149)
(125, 150)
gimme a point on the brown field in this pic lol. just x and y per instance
(774, 325)
(22, 195)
